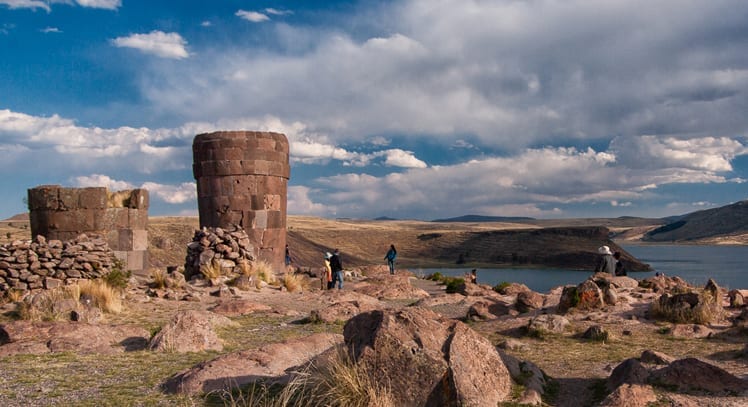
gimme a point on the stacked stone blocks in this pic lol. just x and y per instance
(121, 218)
(242, 179)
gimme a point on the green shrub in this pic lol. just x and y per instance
(435, 276)
(499, 288)
(118, 277)
(453, 283)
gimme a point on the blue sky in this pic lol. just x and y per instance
(417, 109)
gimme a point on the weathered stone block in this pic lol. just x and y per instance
(274, 220)
(259, 219)
(137, 218)
(139, 239)
(124, 240)
(44, 197)
(93, 198)
(68, 198)
(137, 260)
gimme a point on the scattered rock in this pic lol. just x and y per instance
(736, 298)
(527, 374)
(513, 289)
(390, 287)
(630, 395)
(512, 344)
(655, 358)
(547, 323)
(691, 331)
(528, 301)
(190, 331)
(482, 310)
(596, 333)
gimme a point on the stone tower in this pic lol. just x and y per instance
(120, 217)
(242, 178)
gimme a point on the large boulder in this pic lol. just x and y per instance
(487, 309)
(630, 371)
(692, 374)
(190, 331)
(513, 289)
(426, 359)
(272, 362)
(547, 324)
(528, 301)
(25, 337)
(590, 296)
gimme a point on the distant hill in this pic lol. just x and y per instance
(384, 218)
(723, 221)
(481, 218)
(19, 216)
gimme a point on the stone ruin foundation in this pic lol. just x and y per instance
(242, 179)
(119, 218)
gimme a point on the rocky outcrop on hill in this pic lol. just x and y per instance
(426, 359)
(40, 264)
(226, 248)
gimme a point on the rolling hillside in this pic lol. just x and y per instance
(726, 223)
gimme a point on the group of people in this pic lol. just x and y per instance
(610, 262)
(333, 270)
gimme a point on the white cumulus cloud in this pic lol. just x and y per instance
(252, 16)
(32, 4)
(105, 4)
(159, 43)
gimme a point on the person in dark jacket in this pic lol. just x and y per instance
(390, 257)
(337, 268)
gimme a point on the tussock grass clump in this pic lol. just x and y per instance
(262, 271)
(212, 270)
(294, 282)
(339, 382)
(14, 295)
(159, 278)
(103, 296)
(696, 308)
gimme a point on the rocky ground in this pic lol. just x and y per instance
(155, 351)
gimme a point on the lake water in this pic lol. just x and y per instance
(728, 265)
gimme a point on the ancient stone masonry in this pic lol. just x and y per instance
(242, 178)
(42, 264)
(226, 248)
(120, 217)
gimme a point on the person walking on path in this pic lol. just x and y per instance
(328, 272)
(337, 268)
(390, 257)
(607, 263)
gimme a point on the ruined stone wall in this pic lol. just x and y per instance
(121, 218)
(40, 264)
(242, 178)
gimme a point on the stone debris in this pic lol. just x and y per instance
(227, 248)
(30, 265)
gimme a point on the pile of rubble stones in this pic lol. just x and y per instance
(40, 264)
(216, 245)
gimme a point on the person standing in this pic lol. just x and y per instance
(288, 256)
(390, 257)
(337, 268)
(607, 263)
(328, 272)
(620, 270)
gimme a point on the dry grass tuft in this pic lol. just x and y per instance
(14, 295)
(103, 296)
(211, 271)
(159, 278)
(294, 282)
(262, 271)
(707, 310)
(245, 268)
(340, 382)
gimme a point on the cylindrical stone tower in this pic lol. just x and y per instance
(242, 178)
